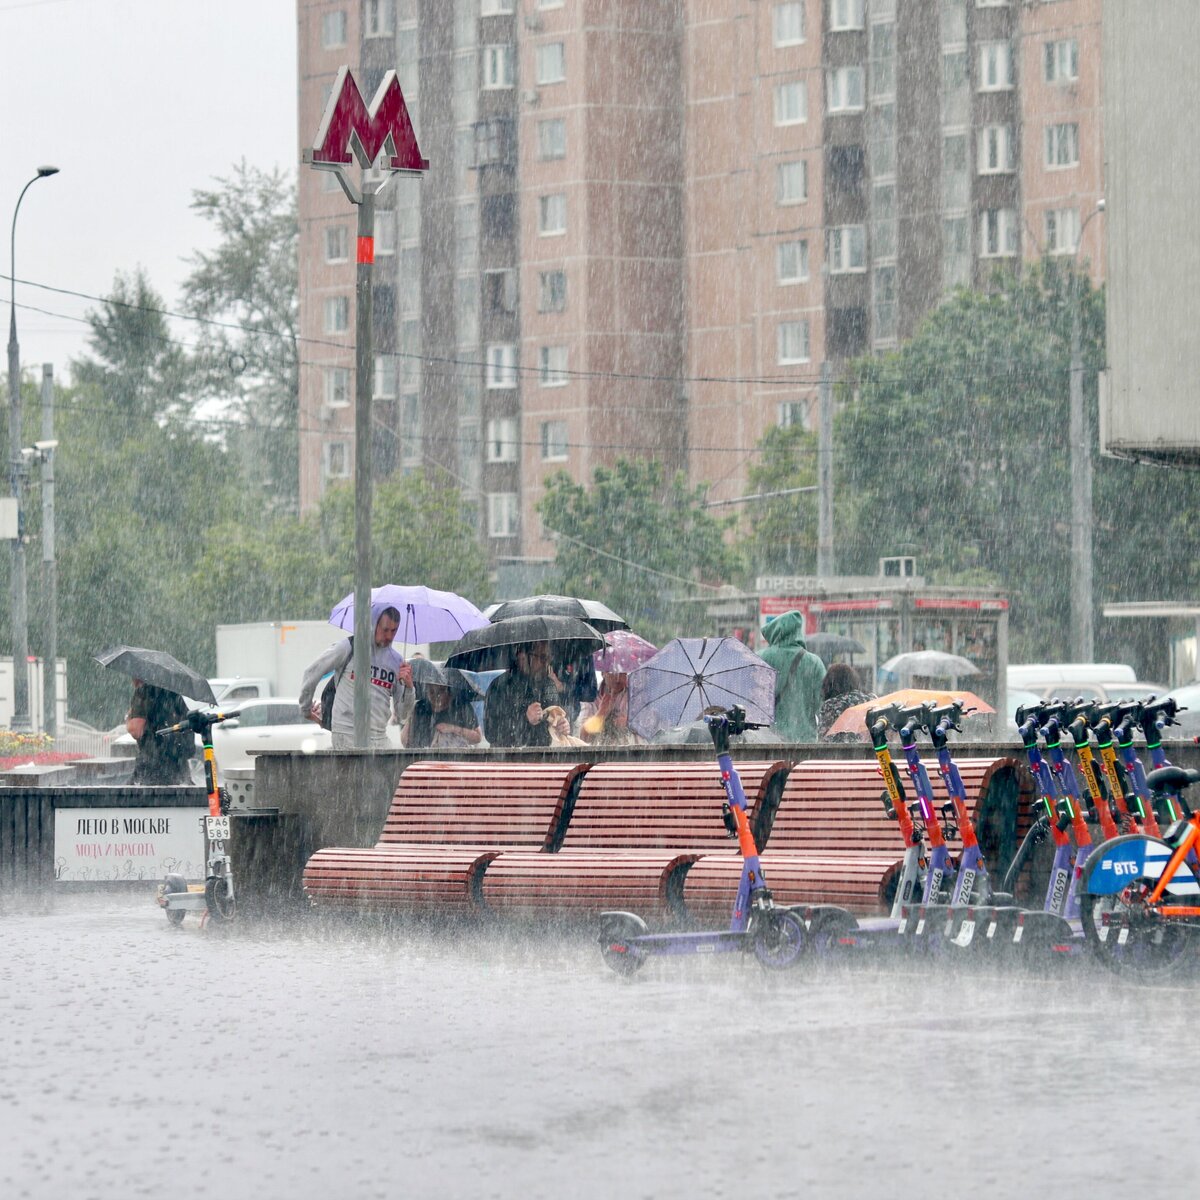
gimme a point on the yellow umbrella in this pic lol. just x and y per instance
(853, 719)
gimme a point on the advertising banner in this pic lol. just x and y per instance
(118, 844)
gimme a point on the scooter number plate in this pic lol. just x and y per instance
(217, 828)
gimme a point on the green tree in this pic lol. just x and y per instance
(783, 537)
(955, 447)
(245, 293)
(633, 537)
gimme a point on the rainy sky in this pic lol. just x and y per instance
(137, 102)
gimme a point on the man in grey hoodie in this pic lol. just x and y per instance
(391, 683)
(798, 675)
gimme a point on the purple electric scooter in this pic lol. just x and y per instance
(775, 936)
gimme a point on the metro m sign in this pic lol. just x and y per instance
(348, 124)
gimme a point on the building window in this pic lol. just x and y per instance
(333, 29)
(845, 14)
(885, 304)
(551, 63)
(791, 103)
(502, 514)
(996, 152)
(337, 244)
(995, 66)
(1062, 230)
(991, 3)
(501, 365)
(385, 232)
(554, 441)
(494, 142)
(552, 139)
(497, 67)
(1062, 145)
(337, 460)
(329, 182)
(552, 291)
(500, 291)
(883, 221)
(552, 363)
(998, 233)
(791, 182)
(552, 214)
(502, 440)
(337, 386)
(847, 249)
(956, 252)
(337, 314)
(385, 377)
(495, 8)
(791, 412)
(845, 89)
(379, 18)
(789, 24)
(792, 342)
(1062, 61)
(791, 262)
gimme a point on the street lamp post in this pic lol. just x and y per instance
(16, 468)
(1082, 600)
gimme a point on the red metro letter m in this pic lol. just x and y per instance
(348, 123)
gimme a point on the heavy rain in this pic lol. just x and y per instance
(600, 597)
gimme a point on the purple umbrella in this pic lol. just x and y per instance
(689, 675)
(426, 615)
(623, 652)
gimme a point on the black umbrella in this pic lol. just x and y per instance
(157, 668)
(491, 647)
(826, 645)
(598, 616)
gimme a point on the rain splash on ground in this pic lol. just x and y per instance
(310, 1059)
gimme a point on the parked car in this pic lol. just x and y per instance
(1188, 695)
(266, 724)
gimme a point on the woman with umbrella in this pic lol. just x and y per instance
(442, 718)
(605, 721)
(840, 689)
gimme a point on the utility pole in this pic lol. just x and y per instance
(825, 566)
(1080, 434)
(49, 562)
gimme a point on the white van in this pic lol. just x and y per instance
(1027, 675)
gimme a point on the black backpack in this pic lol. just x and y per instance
(330, 690)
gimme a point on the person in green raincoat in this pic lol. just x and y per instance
(798, 676)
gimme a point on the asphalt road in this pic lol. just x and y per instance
(325, 1060)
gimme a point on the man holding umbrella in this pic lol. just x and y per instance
(391, 682)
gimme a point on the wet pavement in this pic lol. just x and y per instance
(312, 1059)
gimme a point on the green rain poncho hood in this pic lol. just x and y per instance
(798, 690)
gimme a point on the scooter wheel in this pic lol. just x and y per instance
(617, 931)
(830, 932)
(170, 885)
(778, 939)
(219, 898)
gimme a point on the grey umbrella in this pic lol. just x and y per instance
(934, 664)
(826, 645)
(157, 668)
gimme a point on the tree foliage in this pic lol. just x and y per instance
(955, 448)
(634, 537)
(783, 537)
(245, 293)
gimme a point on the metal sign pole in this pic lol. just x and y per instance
(364, 369)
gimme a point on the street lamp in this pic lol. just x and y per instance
(1082, 621)
(20, 653)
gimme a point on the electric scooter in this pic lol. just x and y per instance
(215, 900)
(775, 936)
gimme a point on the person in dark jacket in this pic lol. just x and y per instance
(798, 675)
(161, 761)
(840, 689)
(514, 712)
(441, 719)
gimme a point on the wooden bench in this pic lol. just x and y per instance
(634, 830)
(831, 842)
(446, 822)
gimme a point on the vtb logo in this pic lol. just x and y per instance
(348, 124)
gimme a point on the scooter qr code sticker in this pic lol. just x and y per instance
(1018, 934)
(991, 929)
(218, 828)
(966, 931)
(920, 929)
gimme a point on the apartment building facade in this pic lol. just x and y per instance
(648, 224)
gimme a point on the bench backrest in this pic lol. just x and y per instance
(625, 805)
(487, 803)
(836, 806)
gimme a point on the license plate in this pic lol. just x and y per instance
(217, 828)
